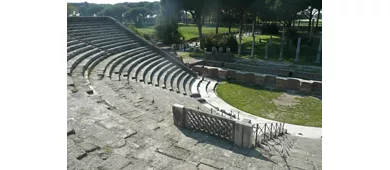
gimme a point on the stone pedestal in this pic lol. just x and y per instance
(178, 115)
(243, 133)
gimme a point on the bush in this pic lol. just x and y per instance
(270, 29)
(219, 40)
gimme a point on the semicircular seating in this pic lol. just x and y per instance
(101, 47)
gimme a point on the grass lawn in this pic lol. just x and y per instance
(148, 29)
(307, 55)
(191, 31)
(258, 101)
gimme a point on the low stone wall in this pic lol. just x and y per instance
(238, 132)
(224, 57)
(265, 70)
(270, 81)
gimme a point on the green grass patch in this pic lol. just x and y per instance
(147, 30)
(191, 31)
(258, 101)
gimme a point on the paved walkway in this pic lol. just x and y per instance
(208, 93)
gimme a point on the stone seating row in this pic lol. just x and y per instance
(270, 81)
(116, 54)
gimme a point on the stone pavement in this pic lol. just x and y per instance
(121, 128)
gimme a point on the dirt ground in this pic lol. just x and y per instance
(287, 100)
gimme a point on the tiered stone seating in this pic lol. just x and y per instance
(101, 47)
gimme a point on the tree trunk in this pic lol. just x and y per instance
(240, 35)
(253, 36)
(310, 17)
(318, 18)
(282, 45)
(288, 39)
(230, 25)
(186, 16)
(246, 24)
(217, 24)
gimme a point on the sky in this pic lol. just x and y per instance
(109, 1)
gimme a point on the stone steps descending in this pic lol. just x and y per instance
(76, 52)
(99, 37)
(169, 81)
(177, 79)
(157, 76)
(111, 67)
(164, 76)
(128, 67)
(135, 74)
(73, 62)
(75, 46)
(152, 72)
(146, 70)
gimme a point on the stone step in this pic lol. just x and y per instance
(126, 70)
(145, 70)
(136, 71)
(119, 65)
(152, 72)
(157, 76)
(170, 79)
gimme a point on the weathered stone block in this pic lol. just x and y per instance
(243, 133)
(238, 133)
(232, 74)
(281, 83)
(260, 80)
(240, 77)
(249, 78)
(212, 72)
(222, 74)
(178, 115)
(293, 84)
(270, 81)
(316, 87)
(305, 87)
(198, 68)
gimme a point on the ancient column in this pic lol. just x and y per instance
(319, 52)
(266, 49)
(281, 46)
(298, 49)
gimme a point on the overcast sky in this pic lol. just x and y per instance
(109, 1)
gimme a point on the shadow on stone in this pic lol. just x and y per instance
(222, 143)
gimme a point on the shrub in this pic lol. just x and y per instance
(219, 40)
(270, 29)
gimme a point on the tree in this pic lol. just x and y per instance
(285, 11)
(257, 6)
(242, 7)
(166, 28)
(71, 9)
(115, 11)
(137, 14)
(94, 9)
(197, 9)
